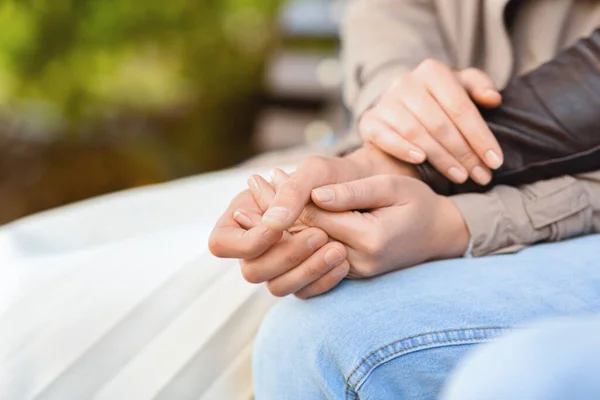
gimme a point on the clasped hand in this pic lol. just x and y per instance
(356, 217)
(368, 214)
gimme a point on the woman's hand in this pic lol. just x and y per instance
(429, 114)
(407, 223)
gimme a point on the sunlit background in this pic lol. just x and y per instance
(102, 95)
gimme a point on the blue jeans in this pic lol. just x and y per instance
(556, 360)
(399, 336)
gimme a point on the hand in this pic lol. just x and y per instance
(407, 224)
(294, 194)
(302, 263)
(428, 114)
(239, 233)
(229, 239)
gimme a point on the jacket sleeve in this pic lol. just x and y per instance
(506, 218)
(383, 39)
(548, 124)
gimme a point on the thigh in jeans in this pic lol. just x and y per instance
(399, 335)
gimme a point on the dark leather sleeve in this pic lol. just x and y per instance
(548, 124)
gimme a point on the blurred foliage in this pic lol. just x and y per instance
(162, 88)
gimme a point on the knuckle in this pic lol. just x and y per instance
(250, 273)
(294, 258)
(302, 295)
(428, 65)
(362, 270)
(441, 130)
(389, 115)
(276, 290)
(467, 158)
(374, 243)
(411, 132)
(368, 131)
(459, 108)
(312, 272)
(397, 85)
(309, 216)
(215, 246)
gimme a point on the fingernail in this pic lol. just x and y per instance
(315, 242)
(457, 174)
(416, 156)
(277, 177)
(481, 176)
(253, 183)
(333, 257)
(491, 92)
(241, 217)
(275, 214)
(324, 194)
(493, 160)
(340, 271)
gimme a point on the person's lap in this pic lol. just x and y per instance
(399, 335)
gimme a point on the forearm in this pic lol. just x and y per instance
(506, 219)
(548, 124)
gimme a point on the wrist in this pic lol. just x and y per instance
(372, 161)
(452, 234)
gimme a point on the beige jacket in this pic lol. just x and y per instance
(386, 38)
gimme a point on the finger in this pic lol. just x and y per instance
(410, 126)
(279, 178)
(383, 135)
(236, 242)
(325, 283)
(461, 157)
(364, 194)
(348, 227)
(231, 240)
(286, 254)
(480, 87)
(293, 195)
(455, 101)
(246, 219)
(262, 191)
(316, 266)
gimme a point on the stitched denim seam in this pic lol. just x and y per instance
(478, 338)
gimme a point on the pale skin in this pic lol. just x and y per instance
(407, 223)
(430, 113)
(306, 262)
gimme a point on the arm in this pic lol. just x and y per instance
(548, 124)
(506, 219)
(406, 96)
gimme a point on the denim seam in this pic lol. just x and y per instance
(476, 335)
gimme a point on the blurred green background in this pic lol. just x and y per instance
(102, 95)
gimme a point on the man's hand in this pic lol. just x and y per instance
(429, 114)
(229, 239)
(407, 224)
(304, 263)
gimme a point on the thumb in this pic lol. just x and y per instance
(294, 194)
(480, 87)
(364, 194)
